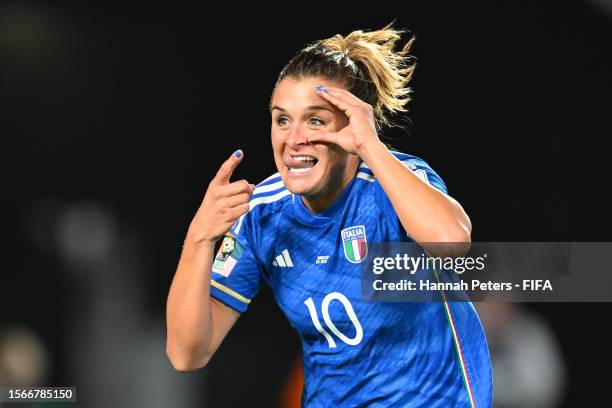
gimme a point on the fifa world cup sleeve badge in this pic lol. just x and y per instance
(227, 255)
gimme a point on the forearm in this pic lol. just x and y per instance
(188, 312)
(426, 214)
(197, 324)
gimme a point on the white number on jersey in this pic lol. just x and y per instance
(325, 312)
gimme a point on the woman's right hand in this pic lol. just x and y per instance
(223, 204)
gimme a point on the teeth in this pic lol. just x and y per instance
(303, 158)
(296, 170)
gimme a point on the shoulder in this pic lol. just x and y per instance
(270, 197)
(417, 165)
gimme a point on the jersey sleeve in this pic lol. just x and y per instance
(236, 272)
(420, 168)
(425, 173)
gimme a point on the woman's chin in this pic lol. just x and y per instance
(299, 182)
(298, 185)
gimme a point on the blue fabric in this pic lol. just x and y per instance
(406, 355)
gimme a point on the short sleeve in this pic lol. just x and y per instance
(236, 273)
(423, 171)
(426, 173)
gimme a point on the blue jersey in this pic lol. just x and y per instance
(355, 353)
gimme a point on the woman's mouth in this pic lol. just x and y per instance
(300, 164)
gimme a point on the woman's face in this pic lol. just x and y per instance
(307, 168)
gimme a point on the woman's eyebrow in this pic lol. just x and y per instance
(277, 107)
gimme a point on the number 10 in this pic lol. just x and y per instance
(325, 312)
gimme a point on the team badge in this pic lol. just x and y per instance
(354, 243)
(227, 255)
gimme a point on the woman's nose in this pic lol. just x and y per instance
(297, 136)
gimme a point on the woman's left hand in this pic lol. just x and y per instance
(361, 129)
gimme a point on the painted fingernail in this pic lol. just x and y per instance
(238, 153)
(321, 88)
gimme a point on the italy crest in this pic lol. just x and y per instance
(354, 243)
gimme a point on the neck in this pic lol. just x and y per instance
(319, 202)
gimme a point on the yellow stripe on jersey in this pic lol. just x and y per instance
(230, 292)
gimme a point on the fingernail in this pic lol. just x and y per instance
(238, 153)
(321, 88)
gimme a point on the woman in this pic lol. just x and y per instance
(304, 232)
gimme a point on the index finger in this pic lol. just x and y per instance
(346, 96)
(336, 101)
(228, 167)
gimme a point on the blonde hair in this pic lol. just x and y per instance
(367, 63)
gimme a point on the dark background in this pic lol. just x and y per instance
(121, 112)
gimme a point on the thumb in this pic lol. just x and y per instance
(228, 167)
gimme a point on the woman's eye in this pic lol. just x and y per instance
(282, 121)
(315, 122)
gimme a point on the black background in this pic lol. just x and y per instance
(136, 104)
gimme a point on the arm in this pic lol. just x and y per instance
(427, 215)
(196, 323)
